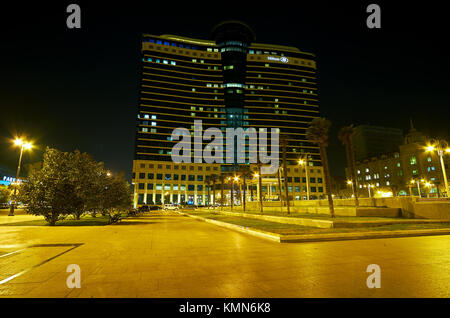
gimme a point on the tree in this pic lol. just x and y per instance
(346, 137)
(116, 195)
(208, 184)
(244, 171)
(284, 143)
(222, 181)
(213, 181)
(73, 183)
(5, 194)
(50, 192)
(317, 133)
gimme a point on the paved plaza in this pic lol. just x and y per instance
(176, 256)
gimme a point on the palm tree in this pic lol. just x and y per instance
(222, 181)
(213, 180)
(244, 171)
(317, 133)
(260, 187)
(346, 137)
(284, 143)
(208, 183)
(279, 189)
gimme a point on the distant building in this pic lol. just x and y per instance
(370, 141)
(393, 171)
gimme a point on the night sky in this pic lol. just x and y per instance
(78, 88)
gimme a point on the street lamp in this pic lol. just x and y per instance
(441, 146)
(304, 162)
(350, 183)
(23, 145)
(368, 188)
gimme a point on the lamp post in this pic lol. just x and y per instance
(441, 146)
(350, 183)
(304, 162)
(23, 145)
(368, 188)
(418, 186)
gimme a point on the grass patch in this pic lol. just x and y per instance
(86, 220)
(293, 229)
(318, 216)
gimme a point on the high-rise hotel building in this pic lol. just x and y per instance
(227, 81)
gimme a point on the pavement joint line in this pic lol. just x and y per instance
(42, 263)
(280, 238)
(11, 253)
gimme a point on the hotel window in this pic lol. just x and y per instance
(167, 187)
(149, 186)
(153, 123)
(173, 62)
(199, 187)
(153, 116)
(165, 62)
(142, 176)
(320, 189)
(144, 129)
(141, 186)
(191, 187)
(168, 176)
(413, 160)
(146, 116)
(159, 176)
(151, 176)
(153, 130)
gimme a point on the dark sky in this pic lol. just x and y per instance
(78, 89)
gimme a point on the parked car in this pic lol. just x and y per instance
(4, 206)
(172, 207)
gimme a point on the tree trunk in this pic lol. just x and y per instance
(286, 190)
(323, 155)
(260, 189)
(214, 194)
(243, 195)
(279, 191)
(221, 194)
(351, 159)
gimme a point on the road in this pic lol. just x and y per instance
(176, 256)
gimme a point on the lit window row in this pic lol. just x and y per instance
(149, 59)
(186, 46)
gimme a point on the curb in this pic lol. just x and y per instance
(321, 237)
(262, 234)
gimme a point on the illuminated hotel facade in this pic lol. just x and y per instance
(226, 82)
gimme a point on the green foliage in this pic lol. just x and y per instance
(317, 132)
(73, 184)
(5, 194)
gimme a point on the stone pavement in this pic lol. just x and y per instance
(175, 256)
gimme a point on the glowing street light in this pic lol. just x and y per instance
(23, 145)
(304, 162)
(350, 183)
(441, 147)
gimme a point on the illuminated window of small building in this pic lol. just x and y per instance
(413, 160)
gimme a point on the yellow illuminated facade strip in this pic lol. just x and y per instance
(180, 78)
(182, 96)
(180, 90)
(195, 74)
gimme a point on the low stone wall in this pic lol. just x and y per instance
(407, 207)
